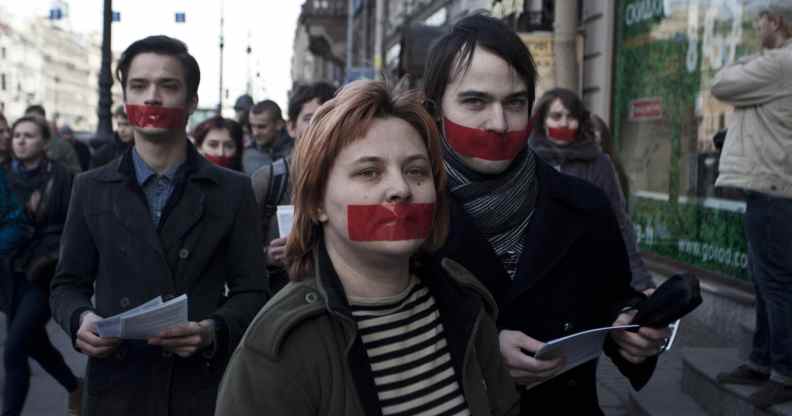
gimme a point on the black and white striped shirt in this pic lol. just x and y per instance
(408, 354)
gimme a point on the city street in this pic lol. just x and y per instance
(46, 397)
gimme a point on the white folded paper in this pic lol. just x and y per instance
(577, 348)
(146, 320)
(285, 215)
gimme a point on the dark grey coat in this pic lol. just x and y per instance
(585, 160)
(110, 248)
(573, 275)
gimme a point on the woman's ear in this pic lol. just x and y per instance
(320, 216)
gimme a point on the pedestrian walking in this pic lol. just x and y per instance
(564, 138)
(123, 137)
(272, 184)
(81, 149)
(58, 149)
(220, 141)
(43, 188)
(546, 245)
(12, 221)
(755, 160)
(160, 221)
(5, 142)
(270, 141)
(368, 327)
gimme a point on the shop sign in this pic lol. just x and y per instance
(643, 10)
(646, 109)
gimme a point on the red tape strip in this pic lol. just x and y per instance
(154, 116)
(483, 144)
(389, 222)
(562, 134)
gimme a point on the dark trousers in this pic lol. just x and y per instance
(27, 337)
(768, 229)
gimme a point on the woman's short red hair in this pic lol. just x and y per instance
(337, 123)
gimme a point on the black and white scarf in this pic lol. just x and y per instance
(501, 205)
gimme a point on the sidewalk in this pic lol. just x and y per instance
(46, 396)
(614, 389)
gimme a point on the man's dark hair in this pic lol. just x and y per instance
(321, 91)
(36, 109)
(452, 54)
(161, 45)
(268, 106)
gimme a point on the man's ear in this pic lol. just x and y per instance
(193, 104)
(291, 128)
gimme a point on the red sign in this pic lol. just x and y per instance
(645, 109)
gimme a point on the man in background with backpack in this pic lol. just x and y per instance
(271, 182)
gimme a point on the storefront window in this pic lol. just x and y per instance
(667, 53)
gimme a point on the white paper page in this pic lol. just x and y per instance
(577, 348)
(111, 327)
(285, 216)
(151, 322)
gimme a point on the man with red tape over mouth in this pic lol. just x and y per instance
(159, 221)
(546, 245)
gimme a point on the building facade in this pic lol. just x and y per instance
(644, 65)
(319, 44)
(43, 63)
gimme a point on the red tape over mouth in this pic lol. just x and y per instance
(155, 116)
(389, 222)
(562, 134)
(483, 144)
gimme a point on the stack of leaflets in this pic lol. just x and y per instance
(146, 320)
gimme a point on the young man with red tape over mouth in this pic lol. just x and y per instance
(565, 138)
(367, 326)
(546, 245)
(159, 221)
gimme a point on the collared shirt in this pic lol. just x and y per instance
(157, 188)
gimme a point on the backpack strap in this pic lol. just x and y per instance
(278, 182)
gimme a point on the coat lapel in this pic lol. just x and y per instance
(468, 246)
(185, 215)
(189, 210)
(131, 211)
(550, 234)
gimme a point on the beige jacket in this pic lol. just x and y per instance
(757, 155)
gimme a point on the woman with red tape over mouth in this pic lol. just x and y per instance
(566, 138)
(368, 325)
(220, 141)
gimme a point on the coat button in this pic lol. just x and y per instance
(167, 354)
(184, 253)
(311, 297)
(568, 327)
(572, 383)
(124, 302)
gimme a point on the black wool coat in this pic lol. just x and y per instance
(573, 275)
(207, 247)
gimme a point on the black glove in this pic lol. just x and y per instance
(675, 298)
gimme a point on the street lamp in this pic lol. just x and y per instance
(104, 130)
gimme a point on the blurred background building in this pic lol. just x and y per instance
(43, 62)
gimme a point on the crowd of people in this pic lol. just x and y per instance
(441, 237)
